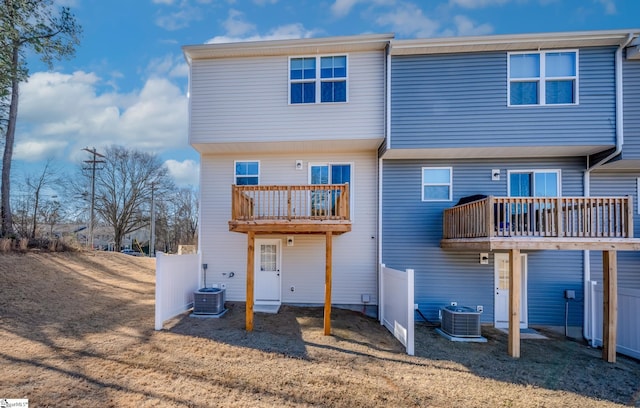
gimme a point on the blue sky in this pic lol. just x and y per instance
(127, 82)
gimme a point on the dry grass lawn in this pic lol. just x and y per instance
(76, 330)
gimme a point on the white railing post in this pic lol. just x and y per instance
(411, 312)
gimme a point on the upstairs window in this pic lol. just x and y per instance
(247, 173)
(313, 76)
(543, 78)
(437, 184)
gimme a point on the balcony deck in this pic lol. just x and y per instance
(532, 223)
(298, 209)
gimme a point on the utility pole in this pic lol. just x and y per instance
(93, 163)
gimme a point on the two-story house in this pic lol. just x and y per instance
(288, 133)
(531, 134)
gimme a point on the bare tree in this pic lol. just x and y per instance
(36, 184)
(51, 214)
(123, 189)
(38, 26)
(177, 220)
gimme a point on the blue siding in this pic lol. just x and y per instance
(460, 100)
(412, 229)
(631, 97)
(619, 184)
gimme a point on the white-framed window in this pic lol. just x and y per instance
(247, 173)
(319, 79)
(437, 184)
(329, 173)
(534, 183)
(542, 78)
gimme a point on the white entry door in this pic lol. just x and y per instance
(267, 286)
(501, 312)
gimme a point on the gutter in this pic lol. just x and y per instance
(588, 307)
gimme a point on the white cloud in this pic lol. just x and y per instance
(475, 4)
(238, 29)
(170, 65)
(61, 113)
(343, 7)
(236, 26)
(465, 26)
(609, 6)
(408, 20)
(264, 2)
(179, 19)
(185, 173)
(167, 2)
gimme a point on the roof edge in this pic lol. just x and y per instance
(282, 47)
(510, 41)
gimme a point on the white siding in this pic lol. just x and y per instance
(354, 253)
(246, 100)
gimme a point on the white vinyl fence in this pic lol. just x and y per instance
(177, 277)
(397, 307)
(628, 336)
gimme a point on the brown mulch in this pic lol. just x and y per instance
(76, 330)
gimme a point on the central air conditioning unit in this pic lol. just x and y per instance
(208, 301)
(460, 321)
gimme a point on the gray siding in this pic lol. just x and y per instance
(618, 184)
(631, 97)
(412, 229)
(246, 100)
(460, 100)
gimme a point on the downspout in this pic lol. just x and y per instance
(588, 309)
(388, 139)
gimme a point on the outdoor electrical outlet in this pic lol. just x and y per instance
(479, 308)
(205, 266)
(454, 303)
(415, 306)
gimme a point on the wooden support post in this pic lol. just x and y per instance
(515, 289)
(610, 301)
(250, 273)
(327, 285)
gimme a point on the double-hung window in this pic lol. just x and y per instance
(247, 173)
(437, 184)
(323, 201)
(543, 78)
(318, 79)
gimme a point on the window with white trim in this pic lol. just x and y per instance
(325, 76)
(534, 183)
(437, 184)
(330, 173)
(542, 78)
(247, 173)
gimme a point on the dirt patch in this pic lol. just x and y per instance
(77, 330)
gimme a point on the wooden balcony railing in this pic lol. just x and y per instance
(558, 217)
(324, 202)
